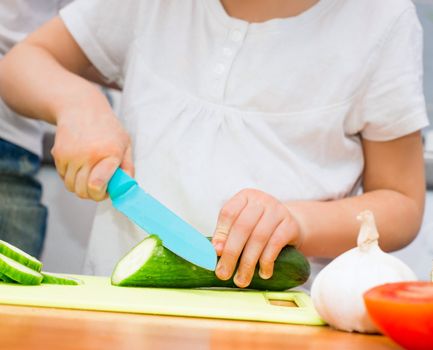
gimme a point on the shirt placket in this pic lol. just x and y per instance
(224, 60)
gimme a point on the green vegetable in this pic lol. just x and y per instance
(18, 272)
(6, 279)
(16, 266)
(52, 278)
(149, 264)
(20, 256)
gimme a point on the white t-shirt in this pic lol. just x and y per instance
(215, 104)
(17, 19)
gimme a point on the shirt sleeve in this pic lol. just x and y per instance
(105, 30)
(392, 103)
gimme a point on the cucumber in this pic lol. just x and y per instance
(18, 272)
(20, 256)
(149, 264)
(16, 266)
(52, 278)
(6, 279)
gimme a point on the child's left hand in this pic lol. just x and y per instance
(258, 226)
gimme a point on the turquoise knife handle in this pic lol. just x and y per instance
(119, 184)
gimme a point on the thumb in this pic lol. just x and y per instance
(99, 176)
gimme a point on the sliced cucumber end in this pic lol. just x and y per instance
(53, 278)
(19, 255)
(19, 272)
(134, 260)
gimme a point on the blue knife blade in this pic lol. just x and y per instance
(152, 216)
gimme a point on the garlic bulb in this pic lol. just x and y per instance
(337, 291)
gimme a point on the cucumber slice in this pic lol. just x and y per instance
(20, 256)
(6, 279)
(52, 278)
(149, 264)
(18, 272)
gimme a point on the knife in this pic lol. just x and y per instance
(152, 216)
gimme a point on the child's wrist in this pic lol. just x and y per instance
(74, 105)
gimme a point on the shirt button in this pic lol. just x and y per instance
(227, 52)
(236, 35)
(219, 69)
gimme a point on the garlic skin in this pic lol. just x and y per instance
(337, 291)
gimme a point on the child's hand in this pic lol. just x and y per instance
(256, 225)
(89, 147)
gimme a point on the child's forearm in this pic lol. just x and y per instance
(43, 89)
(331, 227)
(43, 78)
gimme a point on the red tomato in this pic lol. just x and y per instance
(404, 312)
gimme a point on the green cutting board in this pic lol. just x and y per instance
(98, 294)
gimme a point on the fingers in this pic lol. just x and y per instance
(227, 216)
(89, 146)
(252, 228)
(81, 180)
(279, 239)
(91, 183)
(69, 176)
(239, 234)
(88, 174)
(60, 166)
(99, 176)
(255, 246)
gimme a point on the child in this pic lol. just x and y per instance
(263, 118)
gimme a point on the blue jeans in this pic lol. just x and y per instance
(22, 215)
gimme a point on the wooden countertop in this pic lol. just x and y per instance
(44, 328)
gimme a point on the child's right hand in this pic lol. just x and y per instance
(89, 146)
(90, 141)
